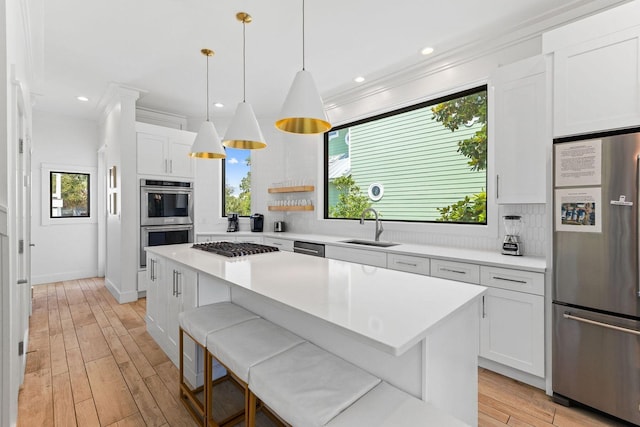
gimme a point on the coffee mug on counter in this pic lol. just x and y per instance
(278, 226)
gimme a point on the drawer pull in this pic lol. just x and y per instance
(454, 271)
(524, 282)
(411, 264)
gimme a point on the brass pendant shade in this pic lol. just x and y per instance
(244, 131)
(207, 144)
(303, 111)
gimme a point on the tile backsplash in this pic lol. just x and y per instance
(534, 231)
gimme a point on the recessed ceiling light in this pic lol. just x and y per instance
(218, 105)
(427, 51)
(82, 98)
(359, 79)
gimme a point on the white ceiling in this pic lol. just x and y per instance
(154, 45)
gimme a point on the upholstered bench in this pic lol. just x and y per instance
(308, 386)
(387, 406)
(242, 346)
(197, 323)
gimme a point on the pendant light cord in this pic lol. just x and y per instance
(244, 61)
(303, 64)
(207, 87)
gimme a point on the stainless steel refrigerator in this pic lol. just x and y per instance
(596, 290)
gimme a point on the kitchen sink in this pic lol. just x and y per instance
(370, 243)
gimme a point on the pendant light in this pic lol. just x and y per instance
(303, 110)
(244, 131)
(207, 143)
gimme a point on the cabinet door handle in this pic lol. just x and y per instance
(524, 282)
(411, 264)
(484, 313)
(497, 186)
(453, 271)
(178, 283)
(151, 270)
(174, 283)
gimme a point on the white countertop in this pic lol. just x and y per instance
(388, 309)
(485, 257)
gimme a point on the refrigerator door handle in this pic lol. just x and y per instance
(604, 325)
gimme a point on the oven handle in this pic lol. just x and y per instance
(167, 227)
(604, 325)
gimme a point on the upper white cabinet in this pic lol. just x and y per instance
(596, 72)
(164, 151)
(520, 129)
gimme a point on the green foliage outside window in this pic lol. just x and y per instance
(454, 114)
(240, 204)
(69, 194)
(351, 201)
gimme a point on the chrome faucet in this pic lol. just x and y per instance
(379, 228)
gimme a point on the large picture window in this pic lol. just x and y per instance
(237, 182)
(425, 163)
(69, 195)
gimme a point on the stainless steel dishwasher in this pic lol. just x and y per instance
(314, 249)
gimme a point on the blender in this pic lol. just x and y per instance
(511, 245)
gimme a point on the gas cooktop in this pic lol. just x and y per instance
(234, 249)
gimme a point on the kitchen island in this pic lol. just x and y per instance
(416, 332)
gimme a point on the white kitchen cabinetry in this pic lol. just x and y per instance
(360, 256)
(512, 330)
(164, 152)
(181, 286)
(409, 263)
(520, 128)
(282, 244)
(596, 72)
(460, 271)
(156, 317)
(512, 323)
(171, 289)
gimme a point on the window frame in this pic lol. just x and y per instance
(51, 194)
(223, 202)
(440, 226)
(45, 189)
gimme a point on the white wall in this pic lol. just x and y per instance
(117, 134)
(62, 251)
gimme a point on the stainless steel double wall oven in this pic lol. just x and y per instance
(166, 214)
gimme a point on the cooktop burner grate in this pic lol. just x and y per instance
(234, 249)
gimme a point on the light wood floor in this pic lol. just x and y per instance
(91, 363)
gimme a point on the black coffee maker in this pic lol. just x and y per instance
(233, 223)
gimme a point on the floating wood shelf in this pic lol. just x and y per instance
(296, 189)
(291, 208)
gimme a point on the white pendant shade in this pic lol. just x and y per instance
(244, 131)
(303, 110)
(207, 143)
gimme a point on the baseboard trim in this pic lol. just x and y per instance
(61, 277)
(121, 297)
(516, 374)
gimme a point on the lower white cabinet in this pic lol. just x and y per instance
(512, 330)
(282, 244)
(172, 288)
(360, 256)
(409, 263)
(454, 270)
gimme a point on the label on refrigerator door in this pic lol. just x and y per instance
(578, 209)
(578, 163)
